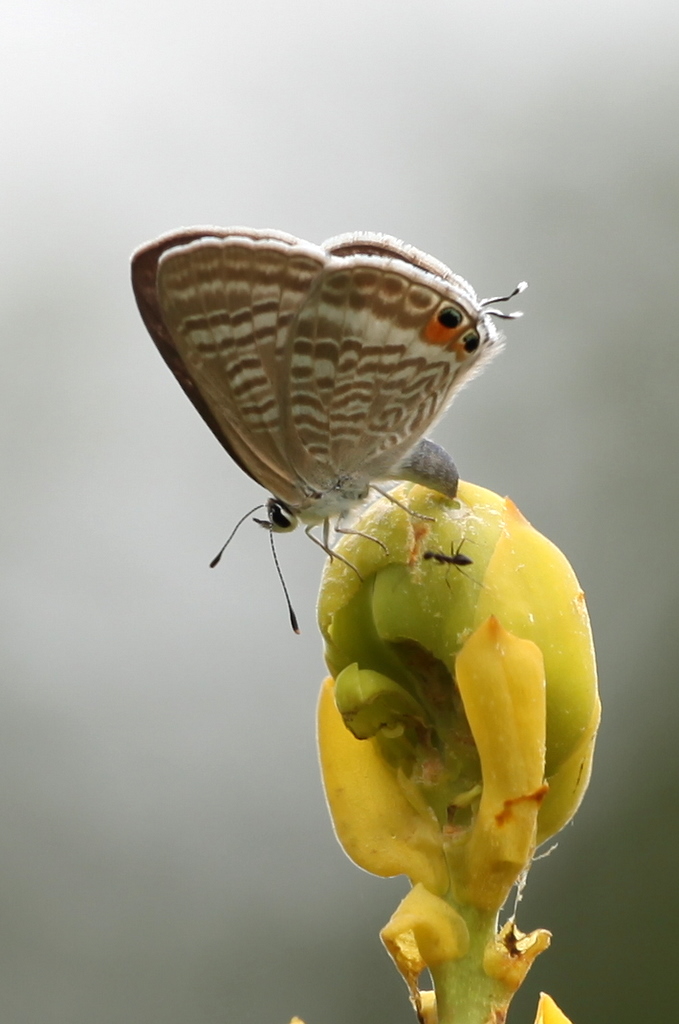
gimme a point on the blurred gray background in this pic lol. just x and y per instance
(165, 852)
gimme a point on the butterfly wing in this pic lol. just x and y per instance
(370, 368)
(310, 364)
(219, 309)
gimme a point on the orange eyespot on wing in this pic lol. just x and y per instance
(449, 329)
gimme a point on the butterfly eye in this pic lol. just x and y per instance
(450, 317)
(279, 518)
(282, 520)
(471, 341)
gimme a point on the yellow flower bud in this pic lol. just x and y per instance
(458, 730)
(402, 637)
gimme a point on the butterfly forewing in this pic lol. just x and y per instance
(145, 286)
(228, 304)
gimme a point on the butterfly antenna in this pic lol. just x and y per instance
(291, 611)
(521, 287)
(215, 560)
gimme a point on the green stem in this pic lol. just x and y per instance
(465, 994)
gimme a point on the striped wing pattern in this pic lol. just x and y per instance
(311, 364)
(362, 387)
(228, 304)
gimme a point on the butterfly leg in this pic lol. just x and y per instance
(395, 501)
(325, 546)
(430, 465)
(348, 532)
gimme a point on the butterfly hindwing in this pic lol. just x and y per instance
(363, 382)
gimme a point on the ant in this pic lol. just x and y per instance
(454, 558)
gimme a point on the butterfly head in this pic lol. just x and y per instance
(280, 518)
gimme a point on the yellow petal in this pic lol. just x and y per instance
(375, 821)
(510, 956)
(549, 1012)
(502, 683)
(532, 589)
(424, 931)
(567, 785)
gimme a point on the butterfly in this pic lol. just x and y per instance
(319, 368)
